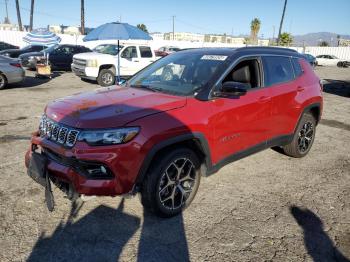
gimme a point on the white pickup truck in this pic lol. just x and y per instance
(101, 65)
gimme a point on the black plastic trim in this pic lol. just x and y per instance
(197, 136)
(278, 141)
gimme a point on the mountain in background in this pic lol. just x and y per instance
(314, 39)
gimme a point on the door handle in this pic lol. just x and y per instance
(136, 61)
(264, 99)
(300, 88)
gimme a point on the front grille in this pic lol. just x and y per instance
(79, 62)
(58, 133)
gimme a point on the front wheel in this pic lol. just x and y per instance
(172, 183)
(106, 77)
(3, 81)
(303, 138)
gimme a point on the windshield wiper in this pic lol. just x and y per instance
(154, 89)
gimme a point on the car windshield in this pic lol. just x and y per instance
(180, 73)
(334, 57)
(108, 49)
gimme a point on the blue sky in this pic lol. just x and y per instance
(206, 16)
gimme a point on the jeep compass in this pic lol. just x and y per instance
(180, 118)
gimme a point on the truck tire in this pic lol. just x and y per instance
(3, 81)
(303, 137)
(171, 183)
(106, 77)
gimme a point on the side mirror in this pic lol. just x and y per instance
(232, 89)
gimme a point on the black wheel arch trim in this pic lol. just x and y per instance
(308, 109)
(195, 136)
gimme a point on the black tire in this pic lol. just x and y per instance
(3, 81)
(106, 77)
(303, 137)
(340, 64)
(159, 186)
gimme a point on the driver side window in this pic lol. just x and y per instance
(246, 72)
(129, 52)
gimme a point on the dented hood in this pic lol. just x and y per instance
(110, 107)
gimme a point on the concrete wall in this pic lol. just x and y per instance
(15, 37)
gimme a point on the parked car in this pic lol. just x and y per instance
(311, 59)
(164, 129)
(102, 65)
(15, 53)
(166, 50)
(60, 56)
(331, 60)
(4, 45)
(10, 71)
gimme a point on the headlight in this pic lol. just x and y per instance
(91, 63)
(6, 54)
(109, 136)
(35, 57)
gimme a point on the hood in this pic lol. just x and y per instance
(12, 51)
(110, 107)
(26, 55)
(92, 55)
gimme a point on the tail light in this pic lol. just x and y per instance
(16, 64)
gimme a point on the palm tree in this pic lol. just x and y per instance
(31, 15)
(143, 27)
(286, 39)
(283, 13)
(82, 17)
(19, 16)
(254, 30)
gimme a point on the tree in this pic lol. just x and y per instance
(281, 23)
(82, 17)
(19, 16)
(324, 43)
(31, 15)
(286, 39)
(142, 27)
(254, 30)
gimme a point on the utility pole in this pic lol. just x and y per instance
(273, 33)
(173, 27)
(280, 30)
(19, 16)
(82, 17)
(31, 15)
(7, 20)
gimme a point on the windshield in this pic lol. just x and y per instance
(179, 73)
(108, 49)
(334, 57)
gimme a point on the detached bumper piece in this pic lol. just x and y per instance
(38, 172)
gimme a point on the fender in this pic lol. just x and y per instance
(203, 143)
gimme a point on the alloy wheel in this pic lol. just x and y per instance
(107, 78)
(177, 183)
(2, 81)
(305, 137)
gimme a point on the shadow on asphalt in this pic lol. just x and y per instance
(318, 244)
(102, 235)
(337, 87)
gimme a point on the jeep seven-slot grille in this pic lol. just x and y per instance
(58, 133)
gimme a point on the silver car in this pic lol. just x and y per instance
(11, 71)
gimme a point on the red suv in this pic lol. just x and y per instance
(184, 116)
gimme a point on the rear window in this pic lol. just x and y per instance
(298, 71)
(145, 51)
(277, 69)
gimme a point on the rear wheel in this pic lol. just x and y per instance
(3, 81)
(340, 64)
(106, 77)
(171, 183)
(303, 137)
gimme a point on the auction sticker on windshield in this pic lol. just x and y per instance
(214, 57)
